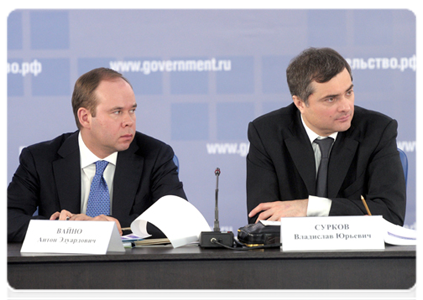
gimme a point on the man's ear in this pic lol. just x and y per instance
(84, 117)
(299, 103)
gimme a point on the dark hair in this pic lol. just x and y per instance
(83, 92)
(313, 64)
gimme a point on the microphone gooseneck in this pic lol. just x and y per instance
(216, 207)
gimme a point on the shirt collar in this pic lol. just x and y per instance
(88, 158)
(312, 135)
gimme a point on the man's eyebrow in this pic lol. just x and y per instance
(336, 95)
(121, 107)
(116, 108)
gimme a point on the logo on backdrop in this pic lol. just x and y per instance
(25, 68)
(151, 66)
(377, 63)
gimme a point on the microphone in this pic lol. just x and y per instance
(216, 238)
(216, 207)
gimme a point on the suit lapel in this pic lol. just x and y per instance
(126, 180)
(302, 154)
(341, 157)
(67, 174)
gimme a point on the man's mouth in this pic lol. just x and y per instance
(344, 118)
(127, 136)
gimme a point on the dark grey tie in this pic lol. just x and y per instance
(322, 174)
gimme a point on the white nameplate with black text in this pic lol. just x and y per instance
(78, 237)
(332, 233)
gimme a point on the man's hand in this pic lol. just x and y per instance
(63, 215)
(66, 215)
(274, 211)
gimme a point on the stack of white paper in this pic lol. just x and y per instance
(178, 219)
(398, 235)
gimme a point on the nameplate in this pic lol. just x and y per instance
(332, 233)
(77, 237)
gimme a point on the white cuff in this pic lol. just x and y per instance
(318, 206)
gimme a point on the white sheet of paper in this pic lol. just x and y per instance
(270, 223)
(178, 219)
(398, 235)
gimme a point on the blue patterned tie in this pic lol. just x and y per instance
(99, 198)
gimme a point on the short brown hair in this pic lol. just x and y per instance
(313, 64)
(83, 92)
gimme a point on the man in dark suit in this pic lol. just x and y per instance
(284, 158)
(55, 176)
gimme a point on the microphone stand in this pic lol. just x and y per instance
(216, 238)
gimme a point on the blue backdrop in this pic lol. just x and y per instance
(200, 76)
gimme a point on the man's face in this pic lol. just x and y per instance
(330, 107)
(114, 125)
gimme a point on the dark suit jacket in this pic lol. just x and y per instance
(49, 177)
(364, 161)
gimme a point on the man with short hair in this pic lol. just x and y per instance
(291, 173)
(57, 176)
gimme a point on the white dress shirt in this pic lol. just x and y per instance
(317, 206)
(88, 160)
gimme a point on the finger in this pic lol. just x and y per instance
(100, 218)
(265, 215)
(81, 217)
(253, 212)
(263, 207)
(257, 209)
(65, 216)
(55, 215)
(275, 217)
